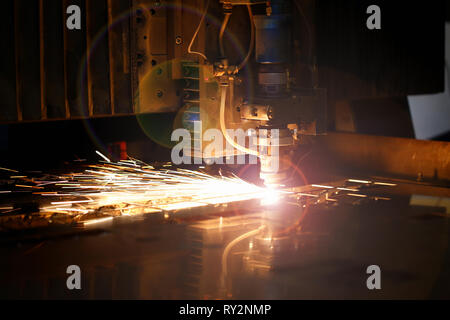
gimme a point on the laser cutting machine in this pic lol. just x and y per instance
(223, 89)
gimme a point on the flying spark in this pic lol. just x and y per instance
(131, 187)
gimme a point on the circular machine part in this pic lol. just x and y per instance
(275, 146)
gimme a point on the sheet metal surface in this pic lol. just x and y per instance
(181, 255)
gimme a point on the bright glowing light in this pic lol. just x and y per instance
(321, 186)
(101, 155)
(133, 187)
(357, 195)
(359, 181)
(385, 184)
(270, 197)
(95, 221)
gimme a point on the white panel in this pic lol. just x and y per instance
(431, 113)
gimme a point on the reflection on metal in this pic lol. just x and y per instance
(311, 244)
(429, 201)
(342, 191)
(207, 239)
(397, 157)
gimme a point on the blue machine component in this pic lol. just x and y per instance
(272, 39)
(273, 34)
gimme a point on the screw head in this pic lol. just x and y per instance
(159, 93)
(178, 40)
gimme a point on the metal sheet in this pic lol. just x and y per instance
(183, 256)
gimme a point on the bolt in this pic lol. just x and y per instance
(159, 93)
(140, 59)
(139, 16)
(420, 176)
(178, 40)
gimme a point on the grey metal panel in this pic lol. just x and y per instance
(75, 65)
(119, 55)
(28, 63)
(54, 59)
(8, 108)
(98, 57)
